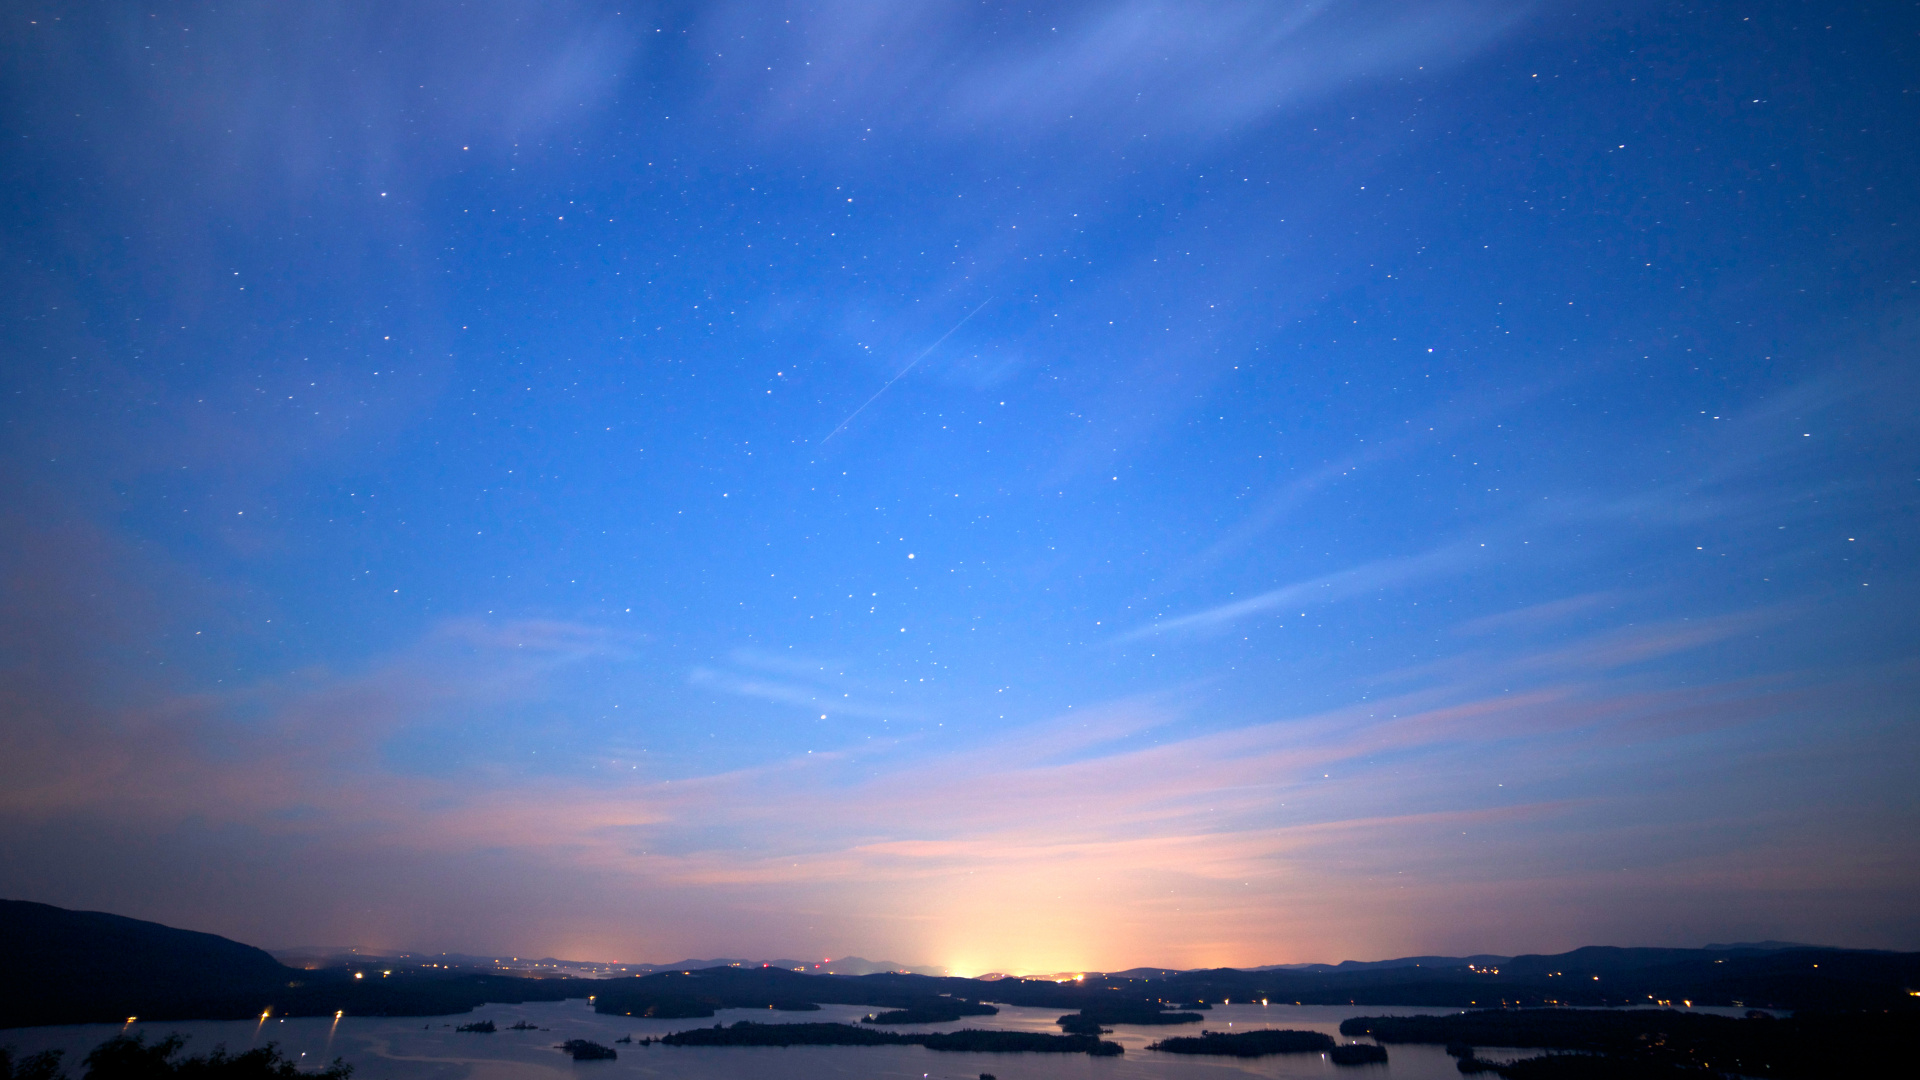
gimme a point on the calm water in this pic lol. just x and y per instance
(427, 1048)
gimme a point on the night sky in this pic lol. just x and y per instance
(1010, 487)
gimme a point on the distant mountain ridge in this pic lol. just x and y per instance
(840, 965)
(1478, 960)
(315, 956)
(312, 957)
(65, 967)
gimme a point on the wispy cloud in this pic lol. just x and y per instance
(1150, 67)
(814, 698)
(1369, 577)
(818, 686)
(1535, 616)
(246, 104)
(1322, 815)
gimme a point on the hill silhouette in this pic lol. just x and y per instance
(99, 948)
(77, 967)
(60, 966)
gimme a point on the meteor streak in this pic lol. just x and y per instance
(904, 370)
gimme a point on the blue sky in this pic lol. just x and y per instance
(1012, 488)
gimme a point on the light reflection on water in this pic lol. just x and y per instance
(427, 1048)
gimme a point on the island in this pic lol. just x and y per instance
(586, 1050)
(1091, 1019)
(481, 1027)
(938, 1011)
(1247, 1043)
(1358, 1054)
(969, 1040)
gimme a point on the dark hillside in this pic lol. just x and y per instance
(75, 967)
(95, 947)
(60, 966)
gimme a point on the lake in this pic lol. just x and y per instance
(428, 1048)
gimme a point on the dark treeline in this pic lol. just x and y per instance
(747, 1033)
(1091, 1018)
(1247, 1043)
(133, 1058)
(1806, 1045)
(588, 1050)
(972, 1040)
(938, 1011)
(1587, 1067)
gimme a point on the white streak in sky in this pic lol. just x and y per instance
(910, 365)
(1336, 586)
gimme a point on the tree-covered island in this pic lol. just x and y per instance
(938, 1011)
(1095, 1019)
(971, 1040)
(1247, 1043)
